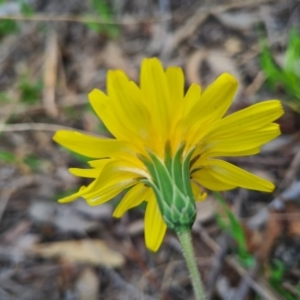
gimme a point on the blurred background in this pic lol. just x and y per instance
(52, 54)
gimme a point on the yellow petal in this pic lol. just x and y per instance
(155, 95)
(99, 163)
(104, 108)
(198, 192)
(215, 100)
(225, 152)
(233, 175)
(205, 177)
(239, 144)
(129, 161)
(126, 103)
(175, 80)
(108, 179)
(183, 125)
(108, 184)
(134, 197)
(251, 118)
(212, 106)
(191, 98)
(73, 196)
(129, 165)
(155, 227)
(86, 173)
(217, 97)
(90, 146)
(108, 192)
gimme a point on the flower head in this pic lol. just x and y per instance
(166, 145)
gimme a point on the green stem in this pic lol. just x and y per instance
(184, 236)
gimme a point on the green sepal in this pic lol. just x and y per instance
(171, 185)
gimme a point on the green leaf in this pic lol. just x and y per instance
(94, 26)
(103, 10)
(7, 157)
(30, 92)
(235, 227)
(292, 55)
(287, 77)
(277, 271)
(8, 27)
(276, 276)
(236, 231)
(4, 97)
(220, 221)
(26, 9)
(270, 68)
(32, 161)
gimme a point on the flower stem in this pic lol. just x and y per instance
(184, 236)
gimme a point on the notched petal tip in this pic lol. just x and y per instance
(151, 59)
(152, 62)
(72, 197)
(85, 173)
(94, 91)
(154, 248)
(95, 95)
(117, 74)
(271, 188)
(117, 214)
(229, 78)
(277, 105)
(60, 135)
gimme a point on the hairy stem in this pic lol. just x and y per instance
(184, 236)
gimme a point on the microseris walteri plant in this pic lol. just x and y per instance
(167, 144)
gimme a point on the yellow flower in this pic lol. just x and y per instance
(156, 127)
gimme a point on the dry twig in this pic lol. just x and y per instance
(50, 74)
(79, 19)
(32, 126)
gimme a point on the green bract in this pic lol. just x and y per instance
(172, 187)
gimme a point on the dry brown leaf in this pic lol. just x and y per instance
(273, 230)
(50, 74)
(233, 45)
(87, 285)
(193, 64)
(254, 239)
(293, 218)
(94, 252)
